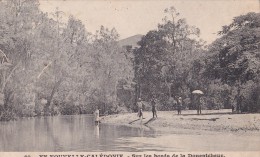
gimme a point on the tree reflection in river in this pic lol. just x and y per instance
(65, 133)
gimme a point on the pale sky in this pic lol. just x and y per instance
(131, 17)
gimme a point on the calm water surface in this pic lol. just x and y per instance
(79, 133)
(66, 133)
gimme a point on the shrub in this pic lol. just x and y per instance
(7, 113)
(69, 109)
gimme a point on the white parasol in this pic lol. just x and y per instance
(197, 92)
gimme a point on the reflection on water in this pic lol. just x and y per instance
(96, 131)
(65, 133)
(80, 133)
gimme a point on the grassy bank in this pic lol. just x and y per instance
(210, 120)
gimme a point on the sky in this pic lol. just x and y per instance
(131, 17)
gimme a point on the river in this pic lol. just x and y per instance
(79, 133)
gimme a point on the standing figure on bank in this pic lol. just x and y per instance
(199, 106)
(153, 103)
(196, 96)
(179, 105)
(140, 108)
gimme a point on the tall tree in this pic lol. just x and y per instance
(110, 65)
(165, 57)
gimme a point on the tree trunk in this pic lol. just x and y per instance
(238, 97)
(5, 80)
(169, 90)
(48, 104)
(169, 87)
(115, 88)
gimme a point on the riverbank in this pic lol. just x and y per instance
(189, 121)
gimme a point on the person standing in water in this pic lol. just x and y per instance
(179, 105)
(96, 116)
(153, 103)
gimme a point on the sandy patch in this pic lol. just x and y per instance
(210, 121)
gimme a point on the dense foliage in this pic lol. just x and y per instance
(49, 66)
(172, 61)
(235, 60)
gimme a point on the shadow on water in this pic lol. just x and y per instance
(145, 124)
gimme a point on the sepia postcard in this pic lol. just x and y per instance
(129, 78)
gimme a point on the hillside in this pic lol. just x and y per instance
(130, 41)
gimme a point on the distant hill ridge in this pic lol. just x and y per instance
(133, 40)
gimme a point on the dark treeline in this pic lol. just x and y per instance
(172, 61)
(50, 67)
